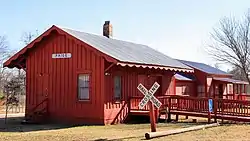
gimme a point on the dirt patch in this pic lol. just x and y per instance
(2, 102)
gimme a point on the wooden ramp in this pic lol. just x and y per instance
(205, 115)
(224, 109)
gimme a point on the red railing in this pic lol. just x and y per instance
(232, 107)
(192, 104)
(221, 107)
(40, 107)
(122, 114)
(243, 96)
(134, 102)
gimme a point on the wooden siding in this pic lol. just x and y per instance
(116, 111)
(61, 75)
(201, 82)
(185, 88)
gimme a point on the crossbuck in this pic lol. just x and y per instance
(149, 95)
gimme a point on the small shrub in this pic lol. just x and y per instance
(1, 96)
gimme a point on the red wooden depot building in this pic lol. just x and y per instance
(77, 77)
(207, 81)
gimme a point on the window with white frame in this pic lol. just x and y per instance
(83, 86)
(117, 87)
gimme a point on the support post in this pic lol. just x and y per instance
(169, 110)
(129, 105)
(109, 67)
(209, 117)
(233, 91)
(215, 109)
(222, 110)
(157, 115)
(177, 117)
(152, 117)
(240, 89)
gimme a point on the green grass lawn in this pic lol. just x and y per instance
(18, 132)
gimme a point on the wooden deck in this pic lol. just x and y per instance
(139, 112)
(225, 109)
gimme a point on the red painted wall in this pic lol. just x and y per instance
(116, 111)
(168, 84)
(200, 81)
(58, 78)
(190, 86)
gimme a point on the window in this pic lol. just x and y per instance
(117, 87)
(185, 90)
(83, 86)
(230, 88)
(201, 90)
(235, 89)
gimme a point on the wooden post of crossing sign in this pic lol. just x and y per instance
(149, 96)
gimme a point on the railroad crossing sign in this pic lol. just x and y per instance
(149, 95)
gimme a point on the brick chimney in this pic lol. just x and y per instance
(107, 29)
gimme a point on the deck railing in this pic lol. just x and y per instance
(225, 107)
(232, 107)
(134, 102)
(192, 104)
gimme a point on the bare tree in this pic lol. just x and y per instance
(27, 37)
(237, 73)
(4, 54)
(15, 86)
(231, 43)
(217, 65)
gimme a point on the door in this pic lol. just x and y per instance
(148, 83)
(42, 89)
(154, 79)
(221, 91)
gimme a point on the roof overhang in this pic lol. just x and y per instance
(19, 59)
(230, 80)
(182, 78)
(154, 67)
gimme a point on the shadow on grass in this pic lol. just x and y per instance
(14, 125)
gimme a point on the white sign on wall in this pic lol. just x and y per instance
(61, 55)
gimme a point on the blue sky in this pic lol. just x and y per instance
(179, 28)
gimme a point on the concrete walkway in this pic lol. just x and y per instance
(12, 115)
